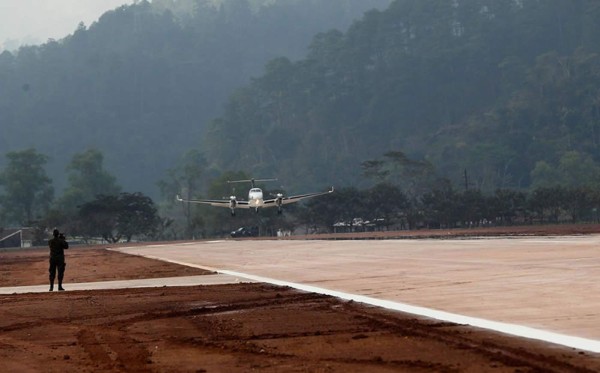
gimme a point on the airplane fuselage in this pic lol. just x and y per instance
(255, 198)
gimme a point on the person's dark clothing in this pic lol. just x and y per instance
(57, 260)
(57, 248)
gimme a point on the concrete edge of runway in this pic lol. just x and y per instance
(216, 279)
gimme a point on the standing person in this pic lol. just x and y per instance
(57, 245)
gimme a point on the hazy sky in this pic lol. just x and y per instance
(36, 21)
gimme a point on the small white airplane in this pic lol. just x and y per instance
(255, 198)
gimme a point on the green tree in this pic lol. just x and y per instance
(506, 205)
(580, 204)
(544, 175)
(578, 170)
(472, 207)
(548, 202)
(87, 179)
(138, 216)
(99, 218)
(342, 206)
(119, 217)
(385, 201)
(441, 207)
(27, 188)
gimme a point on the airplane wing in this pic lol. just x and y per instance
(217, 202)
(292, 199)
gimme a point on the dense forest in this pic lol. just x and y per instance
(452, 107)
(503, 91)
(141, 83)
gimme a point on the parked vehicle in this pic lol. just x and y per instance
(245, 232)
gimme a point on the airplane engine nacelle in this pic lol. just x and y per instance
(232, 205)
(279, 200)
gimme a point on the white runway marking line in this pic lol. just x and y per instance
(505, 328)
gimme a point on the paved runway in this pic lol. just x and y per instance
(544, 285)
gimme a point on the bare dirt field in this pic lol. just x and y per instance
(243, 327)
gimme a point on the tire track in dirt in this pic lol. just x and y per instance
(314, 302)
(110, 349)
(20, 326)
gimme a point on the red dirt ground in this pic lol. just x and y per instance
(240, 328)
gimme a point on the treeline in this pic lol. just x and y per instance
(141, 82)
(407, 194)
(412, 194)
(386, 207)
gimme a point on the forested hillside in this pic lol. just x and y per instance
(492, 93)
(485, 93)
(421, 113)
(140, 84)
